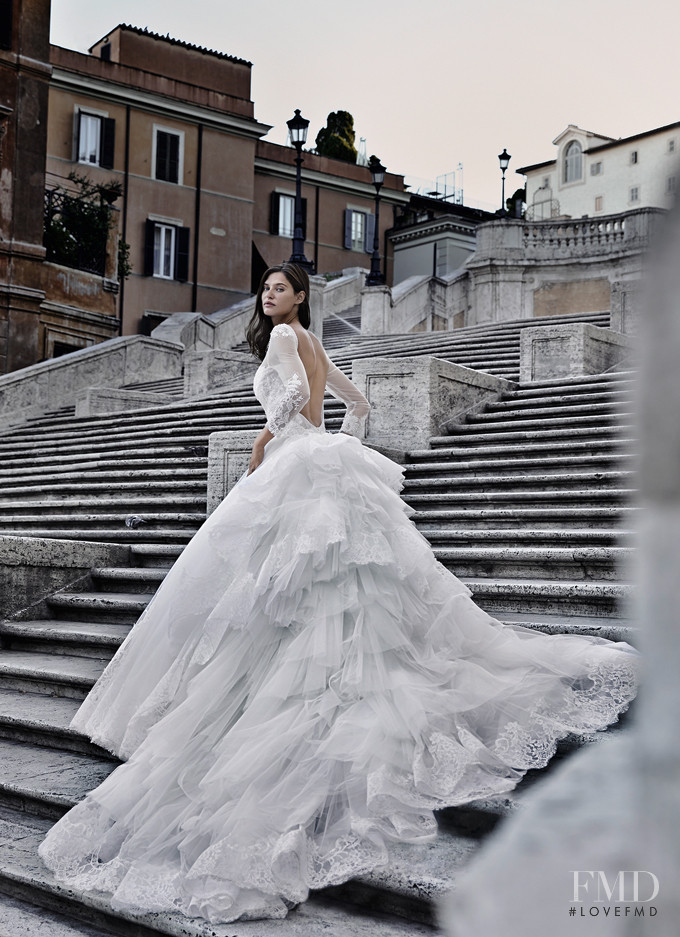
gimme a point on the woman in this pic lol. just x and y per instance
(309, 683)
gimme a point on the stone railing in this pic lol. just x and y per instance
(59, 381)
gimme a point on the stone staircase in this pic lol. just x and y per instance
(528, 502)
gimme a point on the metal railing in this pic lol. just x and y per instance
(76, 232)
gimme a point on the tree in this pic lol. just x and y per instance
(336, 139)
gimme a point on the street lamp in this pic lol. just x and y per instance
(297, 126)
(375, 277)
(504, 159)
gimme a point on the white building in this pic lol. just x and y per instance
(595, 175)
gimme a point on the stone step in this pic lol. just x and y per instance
(115, 607)
(604, 378)
(531, 517)
(153, 455)
(576, 563)
(549, 407)
(479, 421)
(447, 447)
(108, 469)
(555, 596)
(426, 477)
(530, 536)
(155, 502)
(113, 534)
(43, 720)
(157, 518)
(613, 629)
(469, 435)
(24, 877)
(452, 460)
(155, 554)
(30, 920)
(416, 492)
(594, 384)
(128, 579)
(527, 396)
(62, 636)
(56, 675)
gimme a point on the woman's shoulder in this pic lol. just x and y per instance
(283, 330)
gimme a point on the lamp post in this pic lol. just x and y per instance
(375, 277)
(504, 159)
(297, 126)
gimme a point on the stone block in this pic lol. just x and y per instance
(625, 301)
(32, 568)
(228, 458)
(205, 371)
(376, 302)
(96, 400)
(412, 398)
(555, 351)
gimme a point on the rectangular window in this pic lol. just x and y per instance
(596, 169)
(166, 251)
(671, 146)
(633, 157)
(598, 203)
(359, 228)
(670, 184)
(634, 195)
(95, 139)
(168, 156)
(286, 216)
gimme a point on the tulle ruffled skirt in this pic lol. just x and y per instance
(307, 685)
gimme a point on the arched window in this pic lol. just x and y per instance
(572, 162)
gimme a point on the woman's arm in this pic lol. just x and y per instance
(358, 407)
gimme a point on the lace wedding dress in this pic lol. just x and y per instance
(308, 684)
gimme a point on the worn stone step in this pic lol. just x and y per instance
(468, 435)
(119, 607)
(416, 492)
(568, 563)
(43, 720)
(581, 413)
(53, 674)
(87, 485)
(128, 579)
(24, 918)
(83, 521)
(515, 400)
(535, 536)
(441, 461)
(531, 446)
(24, 877)
(579, 380)
(432, 476)
(613, 629)
(113, 534)
(155, 554)
(513, 517)
(564, 597)
(149, 457)
(62, 636)
(476, 423)
(148, 505)
(593, 384)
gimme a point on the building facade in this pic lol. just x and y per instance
(594, 176)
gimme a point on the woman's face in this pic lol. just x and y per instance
(279, 299)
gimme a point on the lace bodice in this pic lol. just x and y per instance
(282, 388)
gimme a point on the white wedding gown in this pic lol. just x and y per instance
(308, 684)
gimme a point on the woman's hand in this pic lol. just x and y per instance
(256, 456)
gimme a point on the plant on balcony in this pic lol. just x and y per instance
(77, 223)
(336, 139)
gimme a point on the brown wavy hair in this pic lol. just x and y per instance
(260, 326)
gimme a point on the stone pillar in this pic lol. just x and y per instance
(412, 398)
(316, 287)
(205, 371)
(24, 85)
(228, 458)
(376, 302)
(549, 352)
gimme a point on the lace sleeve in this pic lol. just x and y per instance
(283, 357)
(357, 406)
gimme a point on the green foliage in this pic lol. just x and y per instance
(336, 139)
(515, 204)
(77, 225)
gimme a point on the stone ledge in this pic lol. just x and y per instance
(562, 351)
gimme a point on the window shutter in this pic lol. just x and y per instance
(161, 155)
(77, 117)
(369, 233)
(304, 219)
(182, 255)
(347, 241)
(149, 235)
(107, 142)
(173, 158)
(274, 213)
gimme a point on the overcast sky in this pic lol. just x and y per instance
(431, 83)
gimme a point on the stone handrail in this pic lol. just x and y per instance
(56, 382)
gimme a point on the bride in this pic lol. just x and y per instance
(309, 684)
